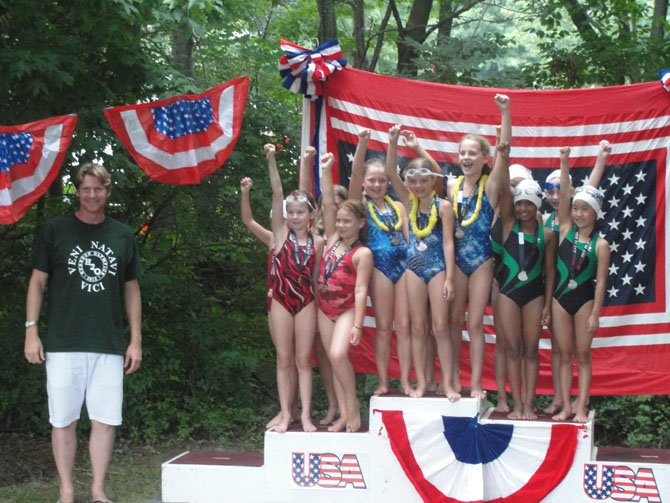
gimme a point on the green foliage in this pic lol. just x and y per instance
(208, 367)
(594, 43)
(633, 421)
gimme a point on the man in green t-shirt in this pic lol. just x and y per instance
(89, 265)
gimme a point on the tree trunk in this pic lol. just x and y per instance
(182, 50)
(658, 21)
(327, 20)
(414, 31)
(360, 48)
(380, 37)
(446, 21)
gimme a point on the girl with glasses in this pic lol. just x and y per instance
(296, 255)
(430, 260)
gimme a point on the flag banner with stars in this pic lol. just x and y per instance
(459, 459)
(30, 157)
(632, 346)
(182, 139)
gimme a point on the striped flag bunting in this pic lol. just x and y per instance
(633, 344)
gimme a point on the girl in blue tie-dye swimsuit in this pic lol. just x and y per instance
(431, 251)
(387, 239)
(474, 195)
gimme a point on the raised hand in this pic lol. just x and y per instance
(502, 100)
(410, 139)
(310, 153)
(394, 133)
(245, 184)
(327, 160)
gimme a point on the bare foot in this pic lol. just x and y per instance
(431, 387)
(307, 424)
(564, 415)
(517, 413)
(553, 408)
(354, 425)
(381, 390)
(330, 415)
(282, 426)
(478, 393)
(529, 412)
(406, 388)
(452, 394)
(273, 422)
(338, 425)
(418, 392)
(502, 405)
(582, 416)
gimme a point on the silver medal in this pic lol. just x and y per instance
(422, 246)
(523, 276)
(459, 233)
(572, 284)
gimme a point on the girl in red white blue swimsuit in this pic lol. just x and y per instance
(295, 262)
(343, 290)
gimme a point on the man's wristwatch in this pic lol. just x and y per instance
(30, 323)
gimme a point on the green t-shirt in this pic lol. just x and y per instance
(88, 266)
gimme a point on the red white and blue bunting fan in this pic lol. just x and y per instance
(304, 70)
(459, 459)
(665, 78)
(30, 158)
(182, 139)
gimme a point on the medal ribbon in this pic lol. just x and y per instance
(463, 208)
(523, 263)
(330, 265)
(301, 260)
(577, 263)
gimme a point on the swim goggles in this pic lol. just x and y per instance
(420, 172)
(298, 197)
(549, 186)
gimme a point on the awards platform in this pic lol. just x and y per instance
(425, 450)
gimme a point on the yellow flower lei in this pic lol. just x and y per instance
(380, 224)
(478, 206)
(432, 218)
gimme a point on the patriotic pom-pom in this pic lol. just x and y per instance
(665, 78)
(304, 70)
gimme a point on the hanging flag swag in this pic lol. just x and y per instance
(304, 71)
(30, 158)
(182, 139)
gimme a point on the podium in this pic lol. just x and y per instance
(425, 449)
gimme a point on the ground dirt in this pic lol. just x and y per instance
(24, 457)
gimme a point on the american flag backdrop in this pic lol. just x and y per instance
(632, 347)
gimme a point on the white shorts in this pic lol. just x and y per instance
(73, 377)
